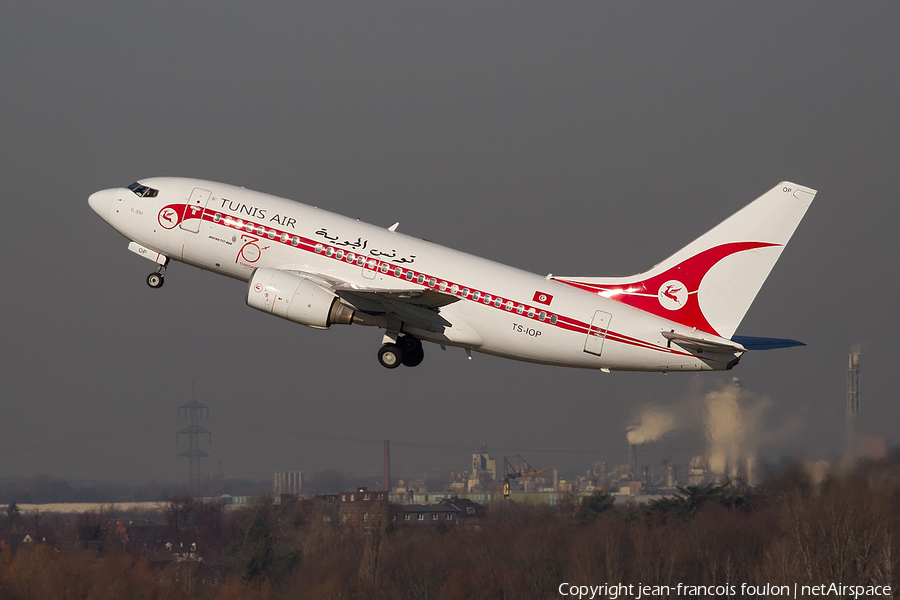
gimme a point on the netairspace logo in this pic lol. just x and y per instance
(637, 592)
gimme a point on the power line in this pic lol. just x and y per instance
(193, 411)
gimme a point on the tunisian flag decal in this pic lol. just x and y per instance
(543, 298)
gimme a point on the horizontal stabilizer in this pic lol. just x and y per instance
(760, 343)
(703, 344)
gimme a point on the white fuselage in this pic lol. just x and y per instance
(233, 231)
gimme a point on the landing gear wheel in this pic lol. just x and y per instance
(390, 356)
(155, 280)
(412, 351)
(414, 359)
(409, 344)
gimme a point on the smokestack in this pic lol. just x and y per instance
(632, 461)
(670, 477)
(853, 406)
(386, 484)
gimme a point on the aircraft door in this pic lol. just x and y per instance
(193, 212)
(597, 333)
(370, 269)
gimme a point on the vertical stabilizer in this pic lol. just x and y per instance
(710, 283)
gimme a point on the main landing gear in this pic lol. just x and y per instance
(156, 280)
(407, 351)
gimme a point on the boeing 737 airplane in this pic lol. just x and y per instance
(320, 269)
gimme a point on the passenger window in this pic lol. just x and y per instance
(487, 298)
(454, 289)
(542, 316)
(318, 248)
(350, 257)
(339, 254)
(249, 228)
(284, 238)
(409, 275)
(476, 296)
(398, 271)
(431, 282)
(260, 230)
(553, 318)
(443, 286)
(520, 309)
(384, 268)
(360, 260)
(217, 217)
(465, 293)
(295, 241)
(329, 251)
(498, 302)
(271, 234)
(420, 279)
(509, 305)
(530, 313)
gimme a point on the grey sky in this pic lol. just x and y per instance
(581, 138)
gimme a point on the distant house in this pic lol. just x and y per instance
(359, 507)
(460, 512)
(190, 575)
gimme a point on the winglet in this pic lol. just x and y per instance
(393, 227)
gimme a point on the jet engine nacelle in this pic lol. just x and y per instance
(296, 298)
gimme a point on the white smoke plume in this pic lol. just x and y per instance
(653, 423)
(733, 422)
(817, 471)
(725, 429)
(734, 432)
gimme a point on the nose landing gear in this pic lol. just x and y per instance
(407, 351)
(156, 280)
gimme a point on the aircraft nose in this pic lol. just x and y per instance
(102, 202)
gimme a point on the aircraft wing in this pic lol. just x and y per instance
(419, 308)
(422, 298)
(416, 307)
(368, 299)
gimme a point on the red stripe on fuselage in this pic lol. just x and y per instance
(646, 294)
(373, 264)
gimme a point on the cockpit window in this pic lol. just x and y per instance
(142, 191)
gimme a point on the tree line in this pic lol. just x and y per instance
(786, 530)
